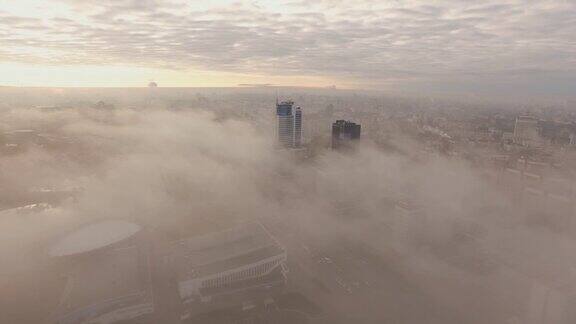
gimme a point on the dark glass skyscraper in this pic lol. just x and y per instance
(344, 134)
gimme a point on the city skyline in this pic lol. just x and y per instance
(287, 161)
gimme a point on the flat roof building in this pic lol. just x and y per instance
(526, 131)
(229, 261)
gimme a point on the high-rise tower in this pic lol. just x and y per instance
(289, 128)
(297, 127)
(344, 134)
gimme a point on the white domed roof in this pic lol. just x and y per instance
(93, 237)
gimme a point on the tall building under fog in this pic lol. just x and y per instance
(289, 127)
(344, 134)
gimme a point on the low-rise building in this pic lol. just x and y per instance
(217, 266)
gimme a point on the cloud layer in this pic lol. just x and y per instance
(179, 172)
(452, 45)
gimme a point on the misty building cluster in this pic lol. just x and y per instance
(161, 205)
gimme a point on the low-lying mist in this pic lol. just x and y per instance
(437, 221)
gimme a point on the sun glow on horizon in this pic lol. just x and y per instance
(28, 75)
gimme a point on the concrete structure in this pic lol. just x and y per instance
(344, 134)
(289, 127)
(297, 127)
(217, 265)
(107, 287)
(526, 131)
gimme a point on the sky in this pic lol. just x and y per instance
(455, 46)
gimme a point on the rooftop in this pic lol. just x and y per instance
(225, 250)
(93, 237)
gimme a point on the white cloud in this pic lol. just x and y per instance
(371, 42)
